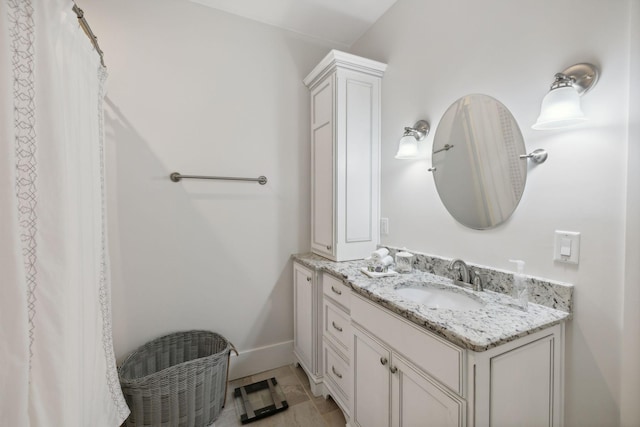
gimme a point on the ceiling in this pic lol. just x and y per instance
(337, 21)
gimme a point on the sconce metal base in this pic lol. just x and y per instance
(420, 129)
(584, 76)
(537, 156)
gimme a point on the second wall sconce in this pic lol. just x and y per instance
(561, 106)
(408, 145)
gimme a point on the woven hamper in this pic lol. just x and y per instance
(178, 380)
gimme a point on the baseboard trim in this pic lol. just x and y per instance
(256, 360)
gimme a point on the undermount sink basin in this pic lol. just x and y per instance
(439, 298)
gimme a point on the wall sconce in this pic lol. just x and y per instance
(408, 145)
(561, 106)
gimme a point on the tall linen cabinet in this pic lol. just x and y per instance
(345, 155)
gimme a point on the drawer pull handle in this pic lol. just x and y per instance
(337, 291)
(328, 247)
(308, 279)
(337, 328)
(383, 360)
(393, 369)
(335, 372)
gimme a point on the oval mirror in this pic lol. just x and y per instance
(478, 171)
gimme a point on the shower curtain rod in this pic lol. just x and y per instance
(87, 30)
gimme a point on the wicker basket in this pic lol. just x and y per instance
(178, 380)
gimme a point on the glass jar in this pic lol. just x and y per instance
(404, 262)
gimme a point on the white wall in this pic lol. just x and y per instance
(630, 395)
(440, 50)
(200, 91)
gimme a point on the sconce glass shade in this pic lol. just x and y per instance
(560, 108)
(407, 148)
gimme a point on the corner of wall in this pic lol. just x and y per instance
(630, 370)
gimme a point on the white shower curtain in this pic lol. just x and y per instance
(57, 366)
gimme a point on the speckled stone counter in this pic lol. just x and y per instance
(495, 323)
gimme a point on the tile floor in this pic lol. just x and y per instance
(305, 410)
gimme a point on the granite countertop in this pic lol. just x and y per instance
(498, 321)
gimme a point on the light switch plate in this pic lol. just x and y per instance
(567, 247)
(384, 226)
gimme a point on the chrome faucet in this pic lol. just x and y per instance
(464, 276)
(461, 270)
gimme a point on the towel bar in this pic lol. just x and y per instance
(176, 177)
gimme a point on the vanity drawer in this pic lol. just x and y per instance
(337, 373)
(336, 290)
(439, 358)
(337, 327)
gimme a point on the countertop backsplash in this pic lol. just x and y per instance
(549, 293)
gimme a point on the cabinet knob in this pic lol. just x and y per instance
(308, 279)
(393, 369)
(383, 360)
(328, 247)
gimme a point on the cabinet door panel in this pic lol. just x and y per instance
(322, 164)
(322, 197)
(418, 402)
(522, 386)
(303, 315)
(371, 382)
(360, 157)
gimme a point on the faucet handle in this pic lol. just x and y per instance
(476, 281)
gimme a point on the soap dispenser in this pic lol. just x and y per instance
(520, 291)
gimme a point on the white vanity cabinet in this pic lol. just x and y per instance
(404, 375)
(384, 370)
(307, 335)
(345, 155)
